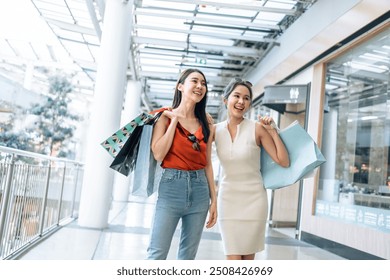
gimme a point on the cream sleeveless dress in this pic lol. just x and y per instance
(242, 199)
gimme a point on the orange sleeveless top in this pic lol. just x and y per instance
(181, 155)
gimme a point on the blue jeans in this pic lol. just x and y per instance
(182, 195)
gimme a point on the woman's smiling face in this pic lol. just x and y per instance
(239, 101)
(194, 87)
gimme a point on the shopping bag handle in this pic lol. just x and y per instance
(160, 110)
(157, 114)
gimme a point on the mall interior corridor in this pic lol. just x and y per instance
(127, 237)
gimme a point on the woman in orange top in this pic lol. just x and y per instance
(182, 141)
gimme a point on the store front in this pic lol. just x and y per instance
(348, 203)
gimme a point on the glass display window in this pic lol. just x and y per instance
(354, 183)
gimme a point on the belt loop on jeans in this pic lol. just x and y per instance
(194, 174)
(179, 173)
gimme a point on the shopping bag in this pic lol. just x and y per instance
(304, 155)
(116, 141)
(125, 159)
(147, 170)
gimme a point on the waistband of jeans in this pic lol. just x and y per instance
(186, 173)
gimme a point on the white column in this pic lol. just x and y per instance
(105, 116)
(330, 187)
(131, 109)
(329, 144)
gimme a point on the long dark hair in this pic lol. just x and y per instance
(200, 107)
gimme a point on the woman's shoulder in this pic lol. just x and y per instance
(220, 124)
(163, 120)
(219, 128)
(251, 127)
(250, 123)
(210, 119)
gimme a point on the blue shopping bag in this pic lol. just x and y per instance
(305, 156)
(147, 172)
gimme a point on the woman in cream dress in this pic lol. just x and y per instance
(242, 199)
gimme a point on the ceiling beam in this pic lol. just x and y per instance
(191, 54)
(71, 27)
(38, 63)
(173, 77)
(241, 51)
(229, 22)
(226, 4)
(94, 19)
(216, 65)
(208, 34)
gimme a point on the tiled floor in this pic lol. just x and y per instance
(127, 238)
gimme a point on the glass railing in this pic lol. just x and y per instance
(38, 195)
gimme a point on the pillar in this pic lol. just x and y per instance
(131, 109)
(96, 194)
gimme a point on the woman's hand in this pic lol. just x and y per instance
(268, 123)
(212, 215)
(169, 114)
(271, 141)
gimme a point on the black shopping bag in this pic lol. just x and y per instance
(117, 140)
(125, 159)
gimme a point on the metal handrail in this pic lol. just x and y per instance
(38, 194)
(36, 155)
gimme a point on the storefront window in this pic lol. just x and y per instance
(355, 181)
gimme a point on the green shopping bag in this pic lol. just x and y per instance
(116, 141)
(305, 156)
(124, 144)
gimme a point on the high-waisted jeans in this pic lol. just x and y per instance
(182, 195)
